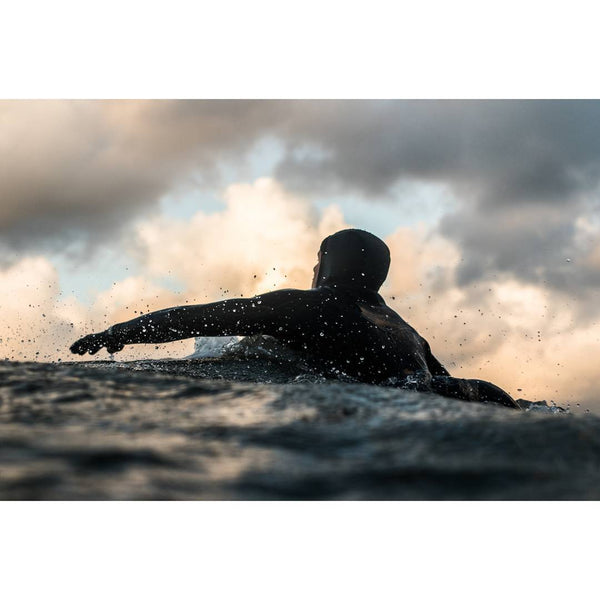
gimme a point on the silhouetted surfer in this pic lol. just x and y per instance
(342, 324)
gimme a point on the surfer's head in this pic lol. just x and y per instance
(352, 258)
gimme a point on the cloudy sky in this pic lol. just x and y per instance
(490, 208)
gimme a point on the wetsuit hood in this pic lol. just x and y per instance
(353, 258)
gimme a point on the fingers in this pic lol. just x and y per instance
(78, 347)
(114, 347)
(90, 344)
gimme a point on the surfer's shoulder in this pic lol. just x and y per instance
(286, 297)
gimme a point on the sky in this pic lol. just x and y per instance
(490, 209)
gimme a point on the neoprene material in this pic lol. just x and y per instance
(353, 258)
(342, 326)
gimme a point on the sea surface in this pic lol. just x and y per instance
(250, 424)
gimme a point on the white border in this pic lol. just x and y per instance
(298, 550)
(310, 49)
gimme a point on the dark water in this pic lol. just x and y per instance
(214, 429)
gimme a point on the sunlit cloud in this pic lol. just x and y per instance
(264, 239)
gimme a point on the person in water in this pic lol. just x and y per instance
(342, 324)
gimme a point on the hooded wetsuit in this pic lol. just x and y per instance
(342, 325)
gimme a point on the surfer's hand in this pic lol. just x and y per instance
(90, 344)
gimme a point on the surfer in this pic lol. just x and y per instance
(342, 324)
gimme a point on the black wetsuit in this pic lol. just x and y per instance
(342, 324)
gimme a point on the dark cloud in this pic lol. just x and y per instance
(523, 172)
(83, 168)
(534, 243)
(507, 150)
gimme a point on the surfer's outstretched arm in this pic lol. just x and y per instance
(268, 313)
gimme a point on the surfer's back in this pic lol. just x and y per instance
(353, 333)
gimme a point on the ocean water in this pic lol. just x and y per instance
(254, 424)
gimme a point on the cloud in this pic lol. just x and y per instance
(498, 151)
(38, 323)
(523, 337)
(80, 169)
(30, 329)
(264, 239)
(522, 173)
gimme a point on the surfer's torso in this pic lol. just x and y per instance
(354, 334)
